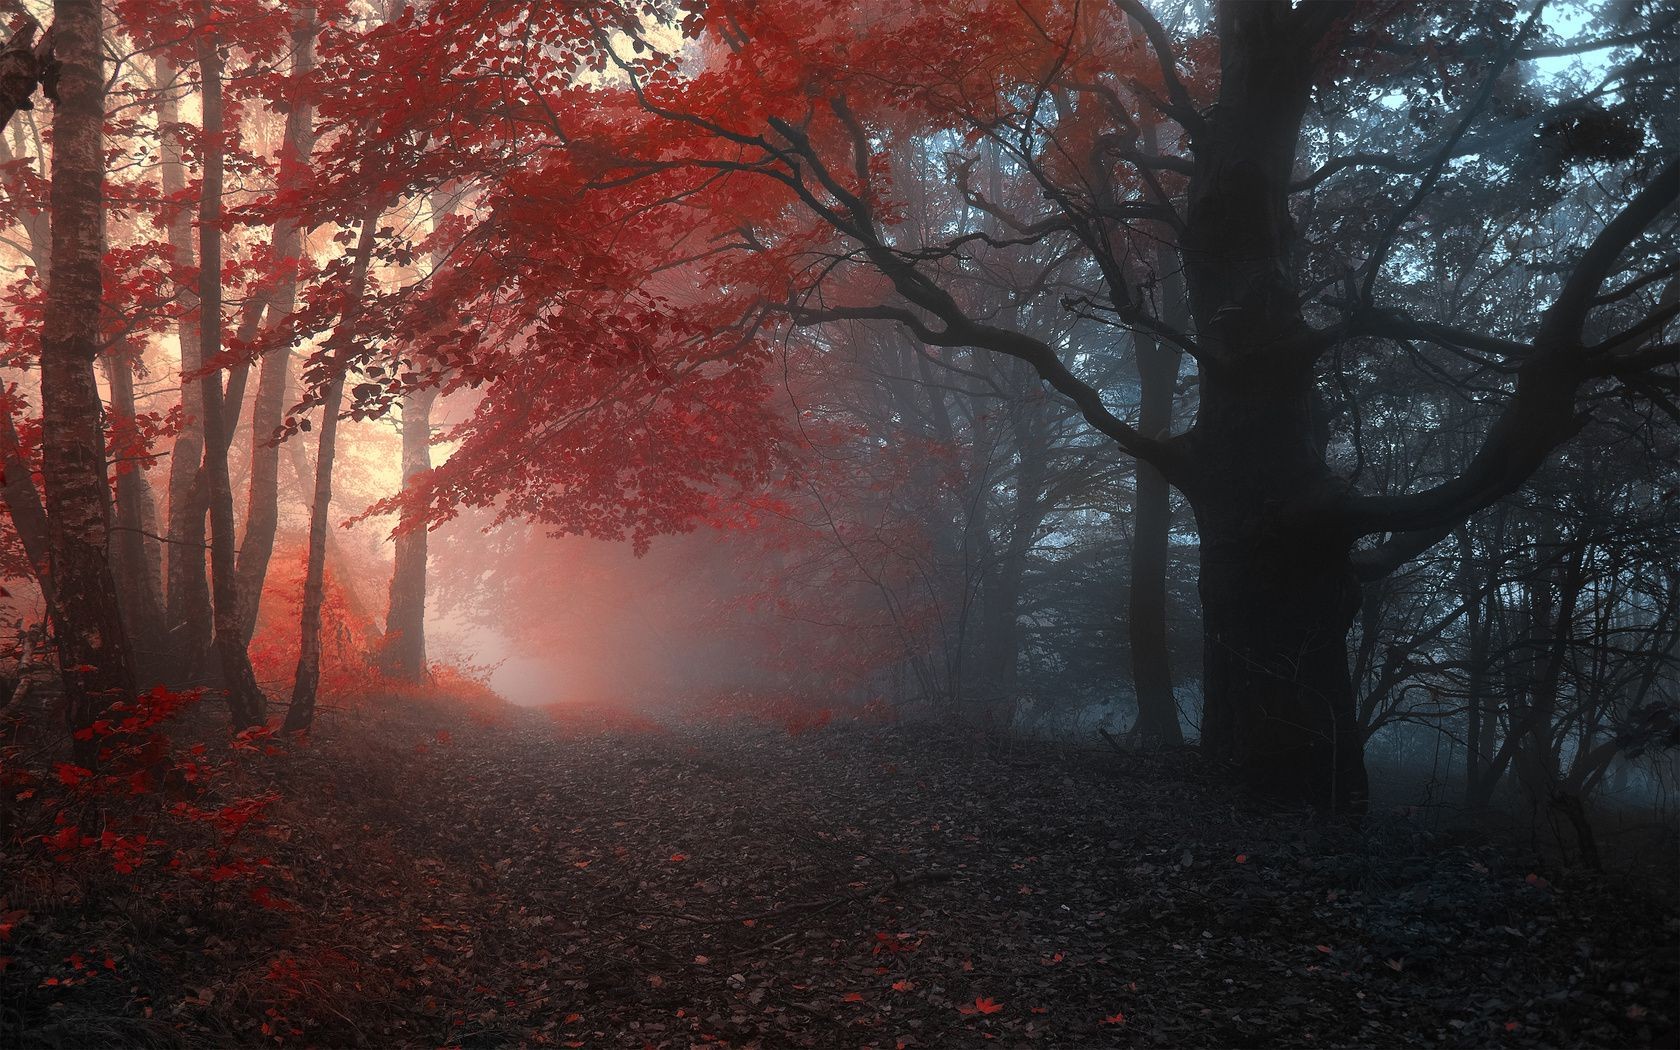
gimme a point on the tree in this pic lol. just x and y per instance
(403, 651)
(262, 512)
(767, 141)
(245, 700)
(187, 592)
(300, 713)
(92, 644)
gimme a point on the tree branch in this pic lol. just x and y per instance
(1541, 415)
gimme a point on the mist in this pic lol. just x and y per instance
(839, 524)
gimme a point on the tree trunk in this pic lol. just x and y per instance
(300, 715)
(1278, 593)
(137, 584)
(187, 593)
(92, 648)
(403, 650)
(1277, 605)
(23, 502)
(246, 703)
(1146, 606)
(262, 512)
(20, 69)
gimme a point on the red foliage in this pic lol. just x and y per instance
(150, 804)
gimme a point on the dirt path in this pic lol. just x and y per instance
(526, 884)
(859, 886)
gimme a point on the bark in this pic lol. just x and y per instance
(1146, 606)
(403, 651)
(262, 513)
(92, 647)
(246, 703)
(22, 64)
(1278, 592)
(23, 502)
(300, 715)
(187, 616)
(997, 663)
(131, 563)
(17, 477)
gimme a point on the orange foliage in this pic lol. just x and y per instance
(351, 679)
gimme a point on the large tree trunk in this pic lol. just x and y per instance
(1277, 604)
(187, 616)
(262, 511)
(1146, 606)
(92, 647)
(1278, 593)
(403, 651)
(246, 703)
(300, 715)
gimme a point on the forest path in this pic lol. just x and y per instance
(872, 886)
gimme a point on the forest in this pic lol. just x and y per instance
(743, 523)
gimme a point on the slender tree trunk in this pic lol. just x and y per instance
(1479, 714)
(23, 502)
(17, 476)
(1146, 606)
(300, 715)
(245, 700)
(137, 585)
(999, 657)
(187, 615)
(262, 512)
(403, 651)
(92, 647)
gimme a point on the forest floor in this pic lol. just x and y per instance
(532, 881)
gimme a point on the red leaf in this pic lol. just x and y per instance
(69, 775)
(983, 1005)
(1117, 1017)
(64, 840)
(263, 896)
(852, 997)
